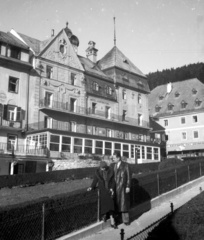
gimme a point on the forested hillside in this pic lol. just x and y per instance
(195, 70)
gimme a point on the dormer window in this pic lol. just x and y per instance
(157, 108)
(194, 91)
(177, 94)
(170, 106)
(108, 90)
(161, 97)
(95, 86)
(183, 104)
(140, 84)
(124, 95)
(197, 102)
(14, 52)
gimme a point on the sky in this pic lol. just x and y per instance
(153, 34)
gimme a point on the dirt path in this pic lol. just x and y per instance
(19, 195)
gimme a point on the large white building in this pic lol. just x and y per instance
(70, 105)
(178, 108)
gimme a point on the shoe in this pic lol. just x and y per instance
(127, 224)
(114, 226)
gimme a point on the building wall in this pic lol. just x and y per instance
(176, 131)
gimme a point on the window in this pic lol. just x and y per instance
(88, 146)
(124, 95)
(13, 113)
(194, 91)
(143, 152)
(124, 115)
(48, 99)
(139, 98)
(183, 104)
(95, 130)
(157, 108)
(47, 122)
(93, 108)
(54, 142)
(170, 106)
(108, 112)
(109, 90)
(73, 104)
(177, 94)
(14, 52)
(149, 153)
(73, 126)
(49, 71)
(108, 148)
(183, 120)
(66, 143)
(184, 135)
(156, 153)
(13, 85)
(73, 77)
(77, 145)
(195, 119)
(197, 102)
(95, 86)
(108, 132)
(195, 134)
(140, 119)
(11, 142)
(99, 147)
(161, 97)
(125, 150)
(117, 147)
(166, 123)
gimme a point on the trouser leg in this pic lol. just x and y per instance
(125, 217)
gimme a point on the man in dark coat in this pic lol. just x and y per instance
(104, 179)
(122, 180)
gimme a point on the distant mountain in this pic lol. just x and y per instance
(195, 70)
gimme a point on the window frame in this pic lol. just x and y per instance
(182, 135)
(196, 131)
(49, 71)
(183, 118)
(166, 122)
(16, 84)
(196, 117)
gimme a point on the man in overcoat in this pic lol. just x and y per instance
(122, 179)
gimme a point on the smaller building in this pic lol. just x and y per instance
(179, 109)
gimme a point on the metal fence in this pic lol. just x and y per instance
(51, 218)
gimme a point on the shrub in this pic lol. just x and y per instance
(169, 163)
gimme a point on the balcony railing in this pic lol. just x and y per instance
(7, 148)
(11, 124)
(93, 113)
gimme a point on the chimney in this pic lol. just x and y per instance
(91, 51)
(169, 87)
(52, 33)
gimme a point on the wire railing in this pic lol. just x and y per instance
(52, 218)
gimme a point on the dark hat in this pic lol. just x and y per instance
(103, 164)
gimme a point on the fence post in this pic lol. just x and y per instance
(98, 203)
(158, 184)
(189, 174)
(122, 234)
(172, 207)
(43, 221)
(176, 178)
(200, 169)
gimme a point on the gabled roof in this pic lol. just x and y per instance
(115, 58)
(31, 42)
(160, 97)
(9, 38)
(92, 68)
